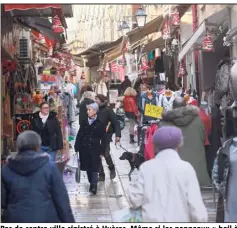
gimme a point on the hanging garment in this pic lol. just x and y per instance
(149, 152)
(167, 102)
(159, 65)
(101, 88)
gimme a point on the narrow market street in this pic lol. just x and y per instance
(111, 195)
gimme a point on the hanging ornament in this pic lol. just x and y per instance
(83, 76)
(57, 25)
(144, 64)
(182, 69)
(166, 30)
(175, 18)
(207, 44)
(107, 68)
(41, 39)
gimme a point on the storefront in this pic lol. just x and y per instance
(36, 67)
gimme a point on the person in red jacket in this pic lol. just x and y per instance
(131, 110)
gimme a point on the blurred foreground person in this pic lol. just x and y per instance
(167, 188)
(187, 118)
(89, 145)
(32, 188)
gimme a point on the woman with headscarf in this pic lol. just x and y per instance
(88, 144)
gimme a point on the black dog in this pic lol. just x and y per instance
(134, 159)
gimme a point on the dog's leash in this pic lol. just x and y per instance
(123, 148)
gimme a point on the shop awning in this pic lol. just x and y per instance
(214, 21)
(41, 25)
(115, 52)
(37, 10)
(151, 27)
(154, 43)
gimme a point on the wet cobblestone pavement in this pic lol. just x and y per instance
(111, 195)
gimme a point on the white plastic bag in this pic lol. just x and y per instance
(73, 163)
(127, 215)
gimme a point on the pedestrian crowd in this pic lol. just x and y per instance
(167, 187)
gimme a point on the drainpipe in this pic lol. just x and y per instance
(195, 25)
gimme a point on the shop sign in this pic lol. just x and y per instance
(153, 111)
(207, 44)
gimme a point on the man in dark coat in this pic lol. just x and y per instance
(89, 145)
(46, 124)
(125, 84)
(83, 110)
(32, 188)
(108, 117)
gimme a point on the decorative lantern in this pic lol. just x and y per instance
(125, 27)
(57, 25)
(182, 69)
(207, 44)
(166, 30)
(83, 76)
(176, 19)
(140, 17)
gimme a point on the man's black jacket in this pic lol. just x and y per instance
(106, 115)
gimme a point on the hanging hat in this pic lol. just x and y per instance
(167, 138)
(57, 25)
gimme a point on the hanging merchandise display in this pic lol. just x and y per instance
(175, 18)
(114, 67)
(207, 44)
(182, 69)
(57, 26)
(41, 39)
(144, 63)
(150, 56)
(83, 76)
(107, 67)
(166, 30)
(157, 53)
(8, 66)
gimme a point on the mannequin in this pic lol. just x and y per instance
(231, 201)
(168, 99)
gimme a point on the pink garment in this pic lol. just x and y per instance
(149, 152)
(121, 73)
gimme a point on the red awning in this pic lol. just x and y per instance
(9, 7)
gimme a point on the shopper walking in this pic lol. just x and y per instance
(46, 124)
(88, 99)
(167, 188)
(32, 188)
(131, 110)
(108, 117)
(125, 84)
(186, 117)
(88, 144)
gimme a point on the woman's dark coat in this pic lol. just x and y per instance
(88, 143)
(54, 129)
(32, 190)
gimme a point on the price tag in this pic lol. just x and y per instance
(153, 111)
